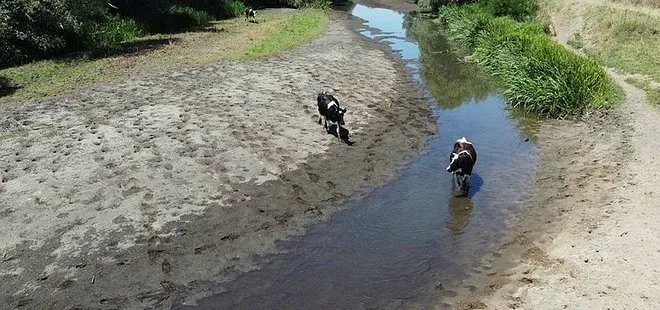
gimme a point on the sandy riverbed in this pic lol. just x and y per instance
(164, 186)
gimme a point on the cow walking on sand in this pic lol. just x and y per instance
(251, 14)
(329, 110)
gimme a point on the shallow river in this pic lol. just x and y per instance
(410, 242)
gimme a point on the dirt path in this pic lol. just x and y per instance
(589, 238)
(161, 188)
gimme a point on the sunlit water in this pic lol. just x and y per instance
(392, 248)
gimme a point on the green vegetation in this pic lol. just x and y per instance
(277, 30)
(539, 75)
(287, 33)
(647, 3)
(576, 41)
(232, 8)
(180, 17)
(34, 29)
(653, 95)
(450, 80)
(626, 40)
(652, 91)
(312, 4)
(519, 10)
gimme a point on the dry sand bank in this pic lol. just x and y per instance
(165, 186)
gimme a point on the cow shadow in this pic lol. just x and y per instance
(476, 182)
(343, 134)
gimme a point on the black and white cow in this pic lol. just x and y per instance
(251, 14)
(461, 162)
(329, 110)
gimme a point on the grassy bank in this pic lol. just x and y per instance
(276, 31)
(285, 34)
(539, 75)
(621, 35)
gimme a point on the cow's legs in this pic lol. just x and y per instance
(338, 136)
(325, 122)
(466, 181)
(457, 180)
(320, 118)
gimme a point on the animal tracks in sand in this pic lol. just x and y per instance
(115, 175)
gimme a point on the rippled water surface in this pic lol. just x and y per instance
(394, 247)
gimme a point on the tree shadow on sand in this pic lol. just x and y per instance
(6, 87)
(132, 48)
(343, 133)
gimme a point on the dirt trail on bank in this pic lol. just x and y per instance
(162, 188)
(589, 237)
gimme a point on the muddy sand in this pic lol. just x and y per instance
(161, 188)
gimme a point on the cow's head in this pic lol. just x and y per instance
(456, 161)
(341, 116)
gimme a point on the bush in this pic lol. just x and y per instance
(540, 75)
(466, 22)
(180, 17)
(314, 4)
(517, 9)
(115, 30)
(30, 29)
(217, 8)
(232, 8)
(543, 77)
(37, 29)
(429, 6)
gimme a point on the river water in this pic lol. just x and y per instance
(411, 242)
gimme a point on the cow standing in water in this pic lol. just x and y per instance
(461, 162)
(329, 110)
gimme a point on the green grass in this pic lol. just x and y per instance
(647, 3)
(49, 77)
(276, 31)
(652, 93)
(284, 34)
(576, 41)
(653, 96)
(540, 76)
(625, 40)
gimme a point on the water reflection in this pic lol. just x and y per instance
(345, 6)
(390, 249)
(460, 209)
(451, 81)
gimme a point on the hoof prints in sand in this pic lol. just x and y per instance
(96, 177)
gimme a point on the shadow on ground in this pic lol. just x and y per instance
(343, 133)
(6, 87)
(131, 48)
